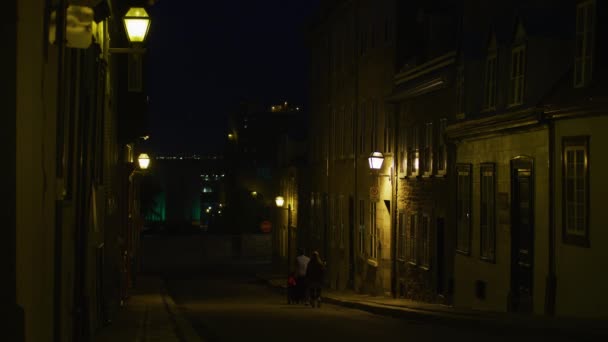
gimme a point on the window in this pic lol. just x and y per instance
(414, 152)
(353, 135)
(374, 126)
(576, 190)
(490, 80)
(442, 149)
(361, 227)
(425, 242)
(428, 149)
(333, 147)
(344, 134)
(410, 239)
(333, 220)
(373, 232)
(401, 236)
(341, 221)
(402, 146)
(487, 211)
(362, 129)
(518, 66)
(460, 101)
(585, 36)
(464, 208)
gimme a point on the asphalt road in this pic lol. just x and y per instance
(232, 305)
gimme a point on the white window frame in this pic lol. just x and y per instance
(490, 82)
(517, 75)
(442, 149)
(414, 152)
(427, 153)
(575, 190)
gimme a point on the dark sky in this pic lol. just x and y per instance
(204, 56)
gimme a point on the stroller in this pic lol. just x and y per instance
(292, 289)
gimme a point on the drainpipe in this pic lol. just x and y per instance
(551, 281)
(351, 272)
(8, 140)
(58, 234)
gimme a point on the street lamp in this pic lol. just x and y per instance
(375, 160)
(137, 23)
(144, 161)
(279, 200)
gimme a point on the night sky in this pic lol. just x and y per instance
(205, 56)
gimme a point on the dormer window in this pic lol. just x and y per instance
(585, 35)
(491, 68)
(518, 67)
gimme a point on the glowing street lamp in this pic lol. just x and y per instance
(279, 200)
(375, 160)
(144, 161)
(137, 23)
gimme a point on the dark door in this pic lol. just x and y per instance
(351, 242)
(440, 256)
(522, 234)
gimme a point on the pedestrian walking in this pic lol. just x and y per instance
(301, 265)
(315, 273)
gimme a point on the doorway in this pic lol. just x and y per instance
(522, 234)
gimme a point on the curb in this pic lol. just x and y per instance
(183, 329)
(461, 319)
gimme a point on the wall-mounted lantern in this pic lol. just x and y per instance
(144, 161)
(137, 24)
(280, 201)
(375, 160)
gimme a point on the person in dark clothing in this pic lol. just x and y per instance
(314, 276)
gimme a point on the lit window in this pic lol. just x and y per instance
(442, 149)
(576, 190)
(518, 66)
(414, 152)
(585, 36)
(428, 149)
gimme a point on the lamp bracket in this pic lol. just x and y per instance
(128, 50)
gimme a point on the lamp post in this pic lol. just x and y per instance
(280, 202)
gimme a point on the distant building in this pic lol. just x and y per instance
(252, 159)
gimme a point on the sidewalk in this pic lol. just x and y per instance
(449, 315)
(150, 314)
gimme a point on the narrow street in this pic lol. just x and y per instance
(232, 305)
